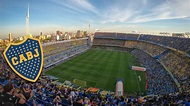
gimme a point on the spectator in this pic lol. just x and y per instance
(57, 100)
(1, 88)
(11, 97)
(79, 102)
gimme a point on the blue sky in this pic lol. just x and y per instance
(47, 16)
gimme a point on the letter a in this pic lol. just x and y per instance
(22, 58)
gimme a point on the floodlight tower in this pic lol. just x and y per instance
(27, 22)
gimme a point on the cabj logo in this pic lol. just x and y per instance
(25, 58)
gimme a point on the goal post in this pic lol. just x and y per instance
(79, 82)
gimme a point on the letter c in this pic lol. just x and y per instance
(14, 61)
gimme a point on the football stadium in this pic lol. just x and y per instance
(94, 53)
(109, 68)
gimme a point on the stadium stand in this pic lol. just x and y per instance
(46, 93)
(177, 43)
(53, 54)
(159, 81)
(182, 44)
(152, 49)
(179, 66)
(114, 35)
(171, 51)
(110, 42)
(149, 50)
(132, 36)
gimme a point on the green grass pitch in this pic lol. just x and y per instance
(101, 69)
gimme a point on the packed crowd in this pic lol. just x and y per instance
(114, 35)
(54, 48)
(152, 49)
(64, 55)
(60, 50)
(110, 42)
(111, 48)
(105, 34)
(182, 44)
(179, 65)
(132, 36)
(159, 81)
(15, 91)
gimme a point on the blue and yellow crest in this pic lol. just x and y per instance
(25, 58)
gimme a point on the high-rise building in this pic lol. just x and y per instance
(85, 34)
(10, 37)
(79, 34)
(57, 37)
(41, 33)
(59, 33)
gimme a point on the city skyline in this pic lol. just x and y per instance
(106, 15)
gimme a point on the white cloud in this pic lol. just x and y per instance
(118, 12)
(180, 7)
(145, 11)
(76, 5)
(144, 1)
(85, 4)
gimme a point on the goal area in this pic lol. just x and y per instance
(79, 82)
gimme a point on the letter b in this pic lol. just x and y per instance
(29, 55)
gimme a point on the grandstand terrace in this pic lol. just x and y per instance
(152, 49)
(109, 42)
(171, 52)
(159, 59)
(182, 44)
(179, 66)
(55, 52)
(159, 80)
(175, 43)
(114, 35)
